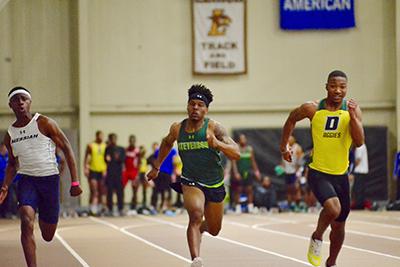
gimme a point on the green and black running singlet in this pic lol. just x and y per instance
(201, 163)
(244, 164)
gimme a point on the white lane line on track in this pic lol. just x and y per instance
(373, 235)
(377, 216)
(277, 220)
(257, 227)
(384, 225)
(366, 234)
(163, 222)
(124, 231)
(232, 241)
(249, 226)
(72, 251)
(238, 224)
(66, 228)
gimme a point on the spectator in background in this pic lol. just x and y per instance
(9, 207)
(3, 165)
(177, 178)
(360, 177)
(308, 195)
(350, 170)
(291, 169)
(142, 179)
(132, 165)
(152, 157)
(265, 195)
(115, 158)
(396, 173)
(150, 161)
(60, 161)
(95, 169)
(245, 170)
(163, 180)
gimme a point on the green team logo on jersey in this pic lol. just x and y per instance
(185, 146)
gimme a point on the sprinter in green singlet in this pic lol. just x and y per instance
(200, 141)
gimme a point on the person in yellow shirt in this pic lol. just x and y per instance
(95, 170)
(335, 125)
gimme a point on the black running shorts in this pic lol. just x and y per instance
(325, 186)
(211, 194)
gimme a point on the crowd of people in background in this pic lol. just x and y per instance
(111, 169)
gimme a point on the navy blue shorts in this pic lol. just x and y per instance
(42, 194)
(290, 178)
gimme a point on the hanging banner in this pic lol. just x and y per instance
(317, 14)
(219, 36)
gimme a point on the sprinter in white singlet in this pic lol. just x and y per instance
(31, 142)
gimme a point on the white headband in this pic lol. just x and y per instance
(19, 91)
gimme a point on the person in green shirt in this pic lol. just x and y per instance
(244, 171)
(200, 141)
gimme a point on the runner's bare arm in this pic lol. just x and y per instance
(50, 128)
(220, 140)
(356, 127)
(166, 145)
(307, 110)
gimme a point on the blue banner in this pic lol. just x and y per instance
(317, 14)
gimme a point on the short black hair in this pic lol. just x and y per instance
(201, 89)
(111, 135)
(98, 132)
(18, 88)
(337, 73)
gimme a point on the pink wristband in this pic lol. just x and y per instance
(75, 183)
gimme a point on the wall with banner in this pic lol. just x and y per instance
(133, 62)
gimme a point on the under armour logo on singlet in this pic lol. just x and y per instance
(22, 132)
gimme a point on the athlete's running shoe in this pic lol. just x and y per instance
(314, 252)
(197, 262)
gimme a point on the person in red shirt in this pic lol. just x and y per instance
(132, 164)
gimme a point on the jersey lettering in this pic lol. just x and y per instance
(331, 123)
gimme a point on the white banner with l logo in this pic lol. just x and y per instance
(219, 36)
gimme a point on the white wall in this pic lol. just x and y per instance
(141, 46)
(37, 53)
(140, 62)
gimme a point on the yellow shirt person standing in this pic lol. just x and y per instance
(95, 169)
